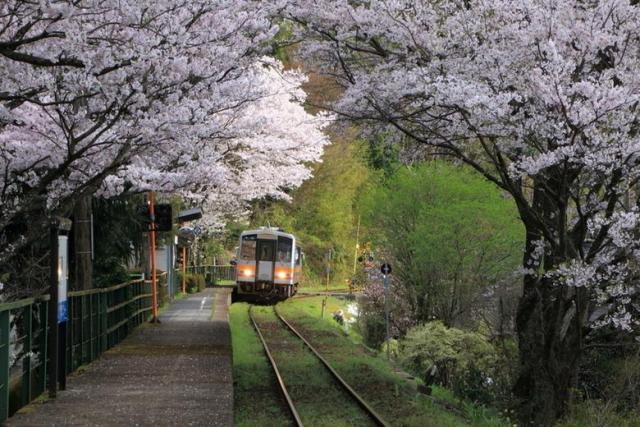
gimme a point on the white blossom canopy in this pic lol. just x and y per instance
(536, 95)
(135, 95)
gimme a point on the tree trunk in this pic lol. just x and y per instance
(549, 323)
(83, 264)
(549, 334)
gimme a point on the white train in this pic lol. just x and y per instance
(268, 264)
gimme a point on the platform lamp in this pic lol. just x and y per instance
(58, 315)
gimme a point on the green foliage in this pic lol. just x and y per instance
(449, 233)
(597, 413)
(118, 231)
(321, 213)
(211, 248)
(609, 375)
(372, 327)
(383, 155)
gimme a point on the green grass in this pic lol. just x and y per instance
(255, 402)
(372, 375)
(320, 286)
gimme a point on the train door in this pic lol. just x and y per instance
(266, 251)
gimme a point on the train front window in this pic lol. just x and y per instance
(265, 250)
(284, 249)
(248, 247)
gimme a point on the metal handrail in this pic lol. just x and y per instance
(13, 305)
(98, 319)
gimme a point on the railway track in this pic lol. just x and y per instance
(366, 408)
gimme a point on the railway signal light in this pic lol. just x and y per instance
(385, 268)
(163, 216)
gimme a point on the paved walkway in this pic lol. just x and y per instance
(174, 373)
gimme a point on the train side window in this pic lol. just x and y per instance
(298, 256)
(284, 249)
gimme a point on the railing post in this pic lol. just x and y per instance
(4, 364)
(92, 336)
(44, 333)
(103, 321)
(27, 314)
(71, 334)
(83, 329)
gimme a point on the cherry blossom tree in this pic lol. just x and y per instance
(267, 146)
(542, 99)
(116, 96)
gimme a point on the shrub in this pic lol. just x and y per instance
(194, 282)
(465, 361)
(112, 273)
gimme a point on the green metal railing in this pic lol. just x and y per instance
(101, 318)
(98, 319)
(215, 274)
(25, 380)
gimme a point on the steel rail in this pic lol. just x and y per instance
(283, 388)
(372, 413)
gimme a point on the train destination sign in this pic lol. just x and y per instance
(385, 269)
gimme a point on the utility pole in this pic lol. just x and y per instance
(386, 271)
(386, 310)
(355, 256)
(152, 256)
(326, 286)
(184, 269)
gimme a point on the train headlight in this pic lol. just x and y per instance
(284, 275)
(247, 273)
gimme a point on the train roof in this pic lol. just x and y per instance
(269, 230)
